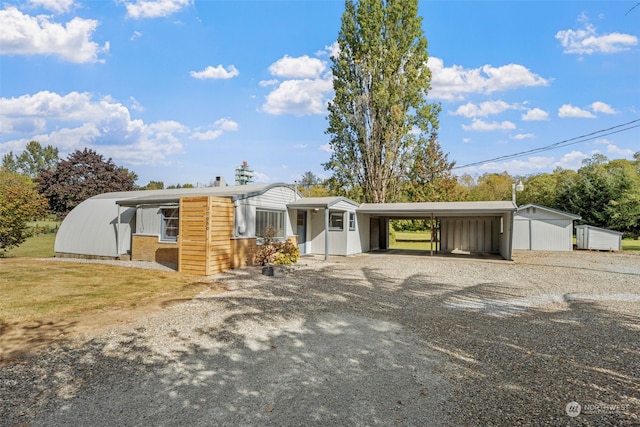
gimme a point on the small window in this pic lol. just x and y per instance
(170, 224)
(336, 221)
(352, 221)
(271, 222)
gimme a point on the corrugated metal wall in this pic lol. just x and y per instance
(543, 230)
(206, 228)
(598, 239)
(471, 235)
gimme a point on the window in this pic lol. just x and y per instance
(170, 224)
(352, 221)
(266, 220)
(336, 221)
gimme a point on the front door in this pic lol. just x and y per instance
(301, 231)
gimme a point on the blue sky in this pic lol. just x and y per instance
(182, 91)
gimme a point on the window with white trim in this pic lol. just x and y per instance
(267, 220)
(170, 224)
(352, 221)
(336, 221)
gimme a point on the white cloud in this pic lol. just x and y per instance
(516, 166)
(298, 97)
(207, 135)
(332, 50)
(155, 8)
(455, 82)
(521, 136)
(326, 148)
(298, 68)
(484, 109)
(218, 72)
(535, 114)
(586, 40)
(58, 6)
(135, 105)
(601, 107)
(570, 111)
(76, 120)
(572, 160)
(226, 124)
(260, 177)
(135, 35)
(614, 149)
(266, 83)
(300, 146)
(221, 126)
(481, 125)
(22, 34)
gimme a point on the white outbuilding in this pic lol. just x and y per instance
(599, 239)
(539, 228)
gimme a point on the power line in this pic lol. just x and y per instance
(564, 143)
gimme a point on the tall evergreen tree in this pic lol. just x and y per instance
(430, 178)
(381, 81)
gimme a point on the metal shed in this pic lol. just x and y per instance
(600, 239)
(540, 228)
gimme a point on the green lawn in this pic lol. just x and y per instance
(631, 244)
(418, 240)
(35, 247)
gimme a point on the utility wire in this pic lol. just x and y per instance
(564, 143)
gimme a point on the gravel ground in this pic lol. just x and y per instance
(375, 339)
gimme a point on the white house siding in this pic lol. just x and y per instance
(540, 228)
(595, 238)
(275, 199)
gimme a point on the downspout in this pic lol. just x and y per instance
(326, 233)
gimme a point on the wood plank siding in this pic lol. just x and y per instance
(206, 228)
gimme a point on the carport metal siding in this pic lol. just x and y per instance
(473, 235)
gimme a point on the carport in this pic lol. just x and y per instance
(465, 227)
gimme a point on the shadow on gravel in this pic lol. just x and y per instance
(18, 339)
(337, 345)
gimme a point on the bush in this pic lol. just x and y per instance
(273, 251)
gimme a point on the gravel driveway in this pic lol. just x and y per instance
(376, 339)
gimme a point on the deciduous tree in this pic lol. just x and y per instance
(381, 81)
(34, 159)
(19, 203)
(82, 175)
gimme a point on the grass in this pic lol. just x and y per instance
(37, 246)
(631, 244)
(418, 240)
(36, 290)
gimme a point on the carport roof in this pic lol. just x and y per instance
(425, 209)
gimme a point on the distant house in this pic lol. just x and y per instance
(600, 239)
(539, 228)
(207, 230)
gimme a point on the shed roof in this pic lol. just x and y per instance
(555, 211)
(151, 197)
(423, 209)
(604, 230)
(319, 202)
